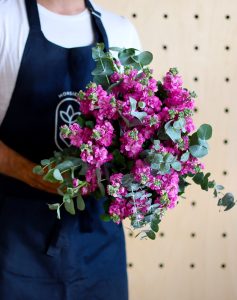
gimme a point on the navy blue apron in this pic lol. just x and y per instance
(78, 257)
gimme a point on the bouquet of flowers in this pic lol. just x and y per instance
(133, 143)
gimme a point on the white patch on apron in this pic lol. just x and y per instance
(67, 112)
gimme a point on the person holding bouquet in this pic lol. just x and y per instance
(45, 59)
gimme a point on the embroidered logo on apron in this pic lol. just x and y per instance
(67, 112)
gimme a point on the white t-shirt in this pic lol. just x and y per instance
(66, 31)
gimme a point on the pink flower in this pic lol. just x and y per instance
(95, 155)
(131, 143)
(75, 182)
(189, 126)
(103, 134)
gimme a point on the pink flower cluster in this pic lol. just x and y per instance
(121, 207)
(178, 98)
(95, 101)
(128, 118)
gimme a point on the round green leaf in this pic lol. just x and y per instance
(185, 156)
(144, 58)
(198, 151)
(45, 162)
(57, 175)
(198, 178)
(219, 187)
(179, 124)
(176, 165)
(38, 170)
(204, 132)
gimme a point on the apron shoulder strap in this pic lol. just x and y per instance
(98, 22)
(33, 14)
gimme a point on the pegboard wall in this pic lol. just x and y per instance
(194, 256)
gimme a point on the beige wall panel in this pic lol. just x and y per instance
(213, 255)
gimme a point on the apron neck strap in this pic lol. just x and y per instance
(33, 14)
(98, 23)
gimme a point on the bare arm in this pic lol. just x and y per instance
(14, 165)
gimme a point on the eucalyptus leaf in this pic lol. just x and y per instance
(198, 151)
(55, 206)
(215, 193)
(144, 58)
(204, 184)
(83, 169)
(179, 124)
(229, 206)
(102, 80)
(194, 139)
(203, 143)
(174, 134)
(80, 202)
(125, 56)
(155, 216)
(226, 200)
(156, 144)
(57, 175)
(98, 51)
(45, 162)
(66, 198)
(68, 164)
(185, 156)
(157, 158)
(58, 213)
(182, 185)
(164, 168)
(173, 71)
(169, 158)
(100, 184)
(133, 103)
(116, 49)
(211, 184)
(104, 67)
(49, 176)
(127, 180)
(38, 170)
(140, 115)
(198, 177)
(110, 88)
(151, 234)
(154, 225)
(204, 132)
(219, 187)
(69, 206)
(155, 166)
(176, 165)
(134, 187)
